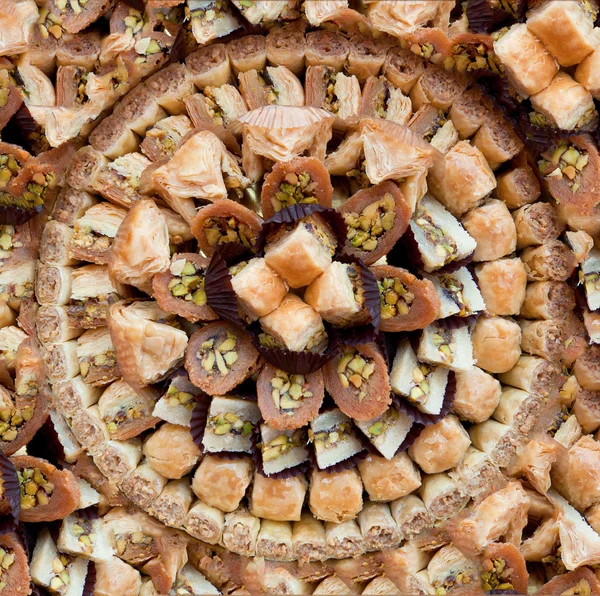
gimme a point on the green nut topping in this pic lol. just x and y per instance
(357, 287)
(331, 100)
(271, 94)
(567, 162)
(134, 21)
(107, 360)
(295, 188)
(354, 370)
(218, 355)
(444, 342)
(468, 57)
(207, 13)
(176, 397)
(7, 558)
(124, 414)
(496, 575)
(189, 285)
(82, 530)
(59, 584)
(9, 168)
(228, 422)
(281, 445)
(455, 291)
(452, 580)
(444, 244)
(288, 391)
(138, 539)
(379, 428)
(366, 228)
(591, 281)
(394, 297)
(221, 230)
(35, 488)
(420, 392)
(7, 239)
(327, 439)
(359, 173)
(11, 420)
(561, 418)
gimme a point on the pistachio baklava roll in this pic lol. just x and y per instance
(389, 479)
(518, 187)
(378, 527)
(241, 532)
(205, 523)
(172, 505)
(210, 20)
(579, 579)
(344, 539)
(358, 381)
(498, 440)
(273, 85)
(443, 496)
(381, 99)
(308, 539)
(496, 344)
(94, 232)
(219, 358)
(143, 486)
(13, 98)
(326, 48)
(551, 261)
(209, 65)
(387, 432)
(411, 515)
(477, 395)
(330, 90)
(451, 571)
(532, 374)
(438, 87)
(218, 106)
(161, 140)
(286, 46)
(96, 357)
(402, 68)
(335, 496)
(230, 425)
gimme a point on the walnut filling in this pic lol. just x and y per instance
(425, 50)
(332, 102)
(207, 14)
(85, 237)
(296, 188)
(445, 344)
(377, 218)
(591, 281)
(444, 244)
(123, 415)
(380, 427)
(189, 285)
(561, 418)
(281, 444)
(218, 354)
(230, 423)
(394, 298)
(7, 558)
(136, 538)
(354, 370)
(11, 420)
(91, 311)
(496, 575)
(49, 24)
(9, 168)
(82, 76)
(358, 174)
(420, 392)
(16, 290)
(105, 360)
(7, 239)
(35, 488)
(83, 531)
(176, 397)
(566, 162)
(33, 196)
(458, 578)
(455, 291)
(327, 439)
(467, 57)
(59, 584)
(221, 230)
(288, 391)
(582, 588)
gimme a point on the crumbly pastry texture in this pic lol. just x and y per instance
(299, 297)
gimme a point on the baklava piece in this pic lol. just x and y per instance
(205, 523)
(458, 293)
(171, 452)
(534, 462)
(219, 358)
(334, 438)
(443, 496)
(277, 499)
(402, 68)
(117, 459)
(503, 286)
(95, 357)
(498, 440)
(438, 87)
(161, 140)
(532, 374)
(477, 395)
(15, 575)
(382, 99)
(83, 536)
(496, 344)
(387, 431)
(326, 48)
(209, 65)
(286, 46)
(282, 450)
(241, 532)
(446, 345)
(389, 479)
(308, 539)
(143, 486)
(172, 505)
(475, 473)
(117, 575)
(273, 85)
(581, 580)
(178, 401)
(450, 570)
(517, 187)
(335, 497)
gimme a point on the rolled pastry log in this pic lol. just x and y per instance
(411, 515)
(326, 48)
(286, 47)
(551, 261)
(543, 338)
(517, 187)
(172, 505)
(402, 68)
(536, 224)
(247, 53)
(209, 65)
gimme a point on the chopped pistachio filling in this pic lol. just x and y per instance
(357, 287)
(134, 21)
(76, 6)
(455, 291)
(379, 428)
(91, 311)
(582, 588)
(382, 101)
(358, 174)
(561, 418)
(212, 106)
(555, 563)
(106, 360)
(230, 423)
(9, 168)
(295, 188)
(425, 50)
(59, 584)
(85, 237)
(7, 238)
(469, 57)
(82, 530)
(135, 538)
(327, 439)
(177, 397)
(332, 102)
(7, 558)
(11, 420)
(444, 244)
(420, 392)
(394, 297)
(366, 228)
(436, 125)
(218, 354)
(567, 162)
(36, 489)
(355, 370)
(208, 13)
(591, 281)
(445, 344)
(453, 579)
(27, 384)
(123, 415)
(271, 94)
(221, 230)
(281, 445)
(320, 232)
(288, 391)
(16, 290)
(189, 285)
(498, 577)
(49, 24)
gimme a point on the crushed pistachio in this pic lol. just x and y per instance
(281, 445)
(295, 188)
(177, 397)
(582, 588)
(218, 354)
(59, 584)
(382, 101)
(567, 163)
(496, 575)
(455, 291)
(82, 530)
(327, 439)
(189, 285)
(444, 244)
(425, 50)
(7, 558)
(7, 238)
(134, 21)
(555, 563)
(561, 418)
(271, 94)
(85, 237)
(445, 344)
(123, 415)
(354, 370)
(420, 378)
(356, 281)
(288, 391)
(366, 228)
(105, 360)
(208, 12)
(315, 344)
(228, 422)
(470, 57)
(16, 290)
(36, 489)
(135, 538)
(221, 230)
(331, 100)
(591, 281)
(379, 428)
(394, 297)
(436, 124)
(451, 580)
(11, 420)
(9, 168)
(358, 174)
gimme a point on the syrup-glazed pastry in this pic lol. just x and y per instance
(389, 479)
(335, 497)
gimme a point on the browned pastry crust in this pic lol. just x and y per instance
(209, 65)
(514, 572)
(16, 577)
(581, 580)
(326, 48)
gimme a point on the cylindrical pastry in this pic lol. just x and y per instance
(209, 65)
(543, 338)
(301, 180)
(519, 409)
(469, 112)
(308, 539)
(333, 91)
(275, 540)
(286, 47)
(440, 446)
(587, 369)
(498, 440)
(402, 68)
(274, 85)
(162, 139)
(326, 48)
(247, 53)
(205, 522)
(443, 496)
(497, 141)
(173, 503)
(518, 187)
(219, 358)
(169, 86)
(380, 99)
(335, 496)
(503, 285)
(552, 261)
(477, 395)
(222, 483)
(358, 381)
(54, 325)
(278, 499)
(536, 224)
(496, 344)
(241, 532)
(143, 486)
(288, 401)
(344, 539)
(438, 87)
(411, 515)
(366, 56)
(386, 480)
(532, 374)
(71, 204)
(60, 361)
(378, 527)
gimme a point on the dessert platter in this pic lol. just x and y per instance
(299, 297)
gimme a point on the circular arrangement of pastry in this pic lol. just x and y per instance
(299, 297)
